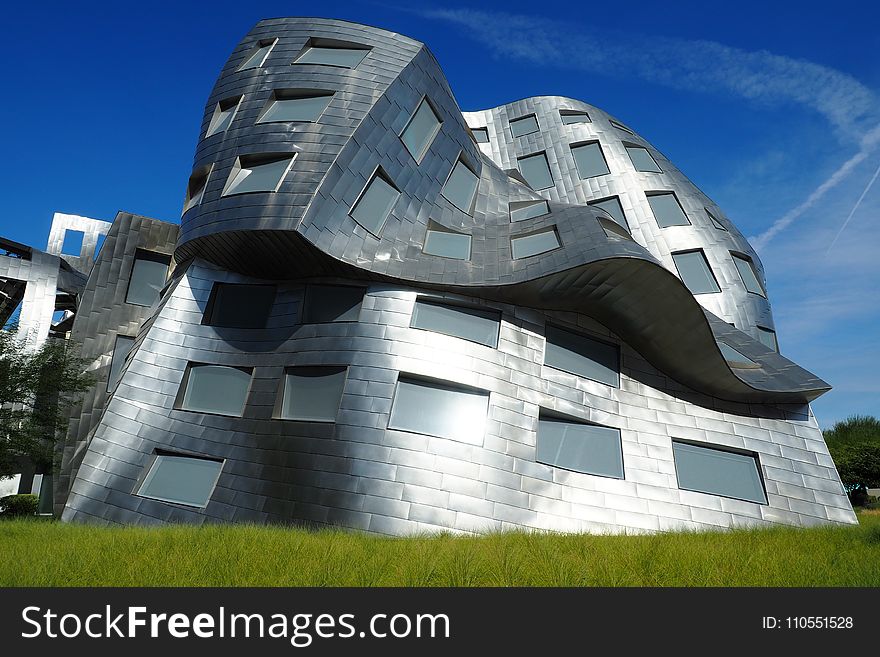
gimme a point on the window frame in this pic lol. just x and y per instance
(461, 159)
(585, 144)
(629, 147)
(724, 449)
(652, 193)
(572, 112)
(269, 43)
(151, 256)
(258, 159)
(547, 415)
(233, 103)
(705, 262)
(283, 94)
(162, 453)
(528, 156)
(304, 313)
(551, 326)
(433, 136)
(278, 411)
(208, 317)
(111, 384)
(378, 173)
(491, 314)
(180, 399)
(532, 233)
(434, 227)
(739, 256)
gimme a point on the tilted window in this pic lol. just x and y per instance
(461, 187)
(612, 206)
(333, 53)
(522, 210)
(195, 189)
(181, 480)
(747, 273)
(312, 394)
(536, 170)
(224, 112)
(148, 275)
(258, 54)
(258, 173)
(419, 133)
(332, 303)
(525, 246)
(375, 203)
(734, 358)
(474, 324)
(582, 355)
(574, 116)
(581, 447)
(642, 159)
(695, 272)
(589, 159)
(524, 125)
(667, 210)
(238, 305)
(718, 471)
(437, 409)
(715, 221)
(446, 243)
(303, 105)
(217, 389)
(481, 135)
(768, 338)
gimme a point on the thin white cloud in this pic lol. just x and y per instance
(850, 107)
(853, 211)
(695, 65)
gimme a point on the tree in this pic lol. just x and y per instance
(37, 388)
(854, 445)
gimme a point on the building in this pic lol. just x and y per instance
(388, 315)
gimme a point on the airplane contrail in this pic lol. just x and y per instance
(853, 211)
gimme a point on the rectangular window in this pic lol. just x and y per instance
(224, 112)
(715, 221)
(329, 56)
(312, 394)
(574, 116)
(181, 480)
(375, 203)
(236, 305)
(620, 127)
(195, 188)
(148, 275)
(522, 210)
(73, 243)
(474, 324)
(642, 159)
(525, 125)
(217, 389)
(421, 130)
(258, 55)
(581, 447)
(332, 303)
(536, 170)
(735, 358)
(439, 410)
(667, 210)
(525, 246)
(440, 241)
(586, 357)
(120, 353)
(481, 135)
(303, 105)
(746, 269)
(612, 206)
(258, 173)
(695, 272)
(461, 187)
(589, 159)
(719, 472)
(768, 338)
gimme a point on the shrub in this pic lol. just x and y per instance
(17, 506)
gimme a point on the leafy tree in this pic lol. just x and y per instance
(37, 388)
(855, 447)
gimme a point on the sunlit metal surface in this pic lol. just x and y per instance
(358, 471)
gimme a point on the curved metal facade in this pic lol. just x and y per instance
(577, 272)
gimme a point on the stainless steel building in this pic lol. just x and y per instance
(389, 315)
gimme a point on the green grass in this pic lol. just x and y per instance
(34, 553)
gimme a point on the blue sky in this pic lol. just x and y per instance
(773, 112)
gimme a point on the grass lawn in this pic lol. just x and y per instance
(37, 553)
